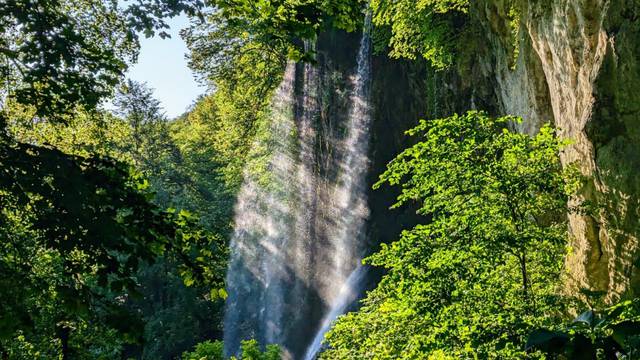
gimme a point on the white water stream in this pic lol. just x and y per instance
(299, 230)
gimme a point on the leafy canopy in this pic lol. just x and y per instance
(427, 28)
(249, 350)
(60, 54)
(482, 268)
(155, 303)
(76, 227)
(288, 21)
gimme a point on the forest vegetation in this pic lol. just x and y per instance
(115, 221)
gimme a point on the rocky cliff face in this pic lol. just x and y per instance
(575, 63)
(578, 65)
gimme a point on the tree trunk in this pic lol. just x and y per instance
(525, 278)
(63, 334)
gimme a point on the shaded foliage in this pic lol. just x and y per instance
(613, 333)
(175, 315)
(95, 221)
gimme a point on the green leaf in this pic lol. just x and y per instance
(548, 341)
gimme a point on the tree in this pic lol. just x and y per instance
(222, 50)
(481, 271)
(249, 350)
(77, 228)
(246, 43)
(150, 143)
(93, 219)
(135, 104)
(282, 23)
(427, 28)
(59, 54)
(174, 316)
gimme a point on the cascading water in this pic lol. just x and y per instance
(350, 195)
(348, 294)
(299, 235)
(258, 263)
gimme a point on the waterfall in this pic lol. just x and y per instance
(257, 265)
(350, 195)
(349, 293)
(300, 219)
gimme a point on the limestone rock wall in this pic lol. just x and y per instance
(579, 66)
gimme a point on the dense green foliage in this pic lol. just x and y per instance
(114, 225)
(280, 24)
(94, 224)
(482, 270)
(249, 350)
(613, 333)
(79, 226)
(440, 31)
(427, 28)
(170, 157)
(59, 54)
